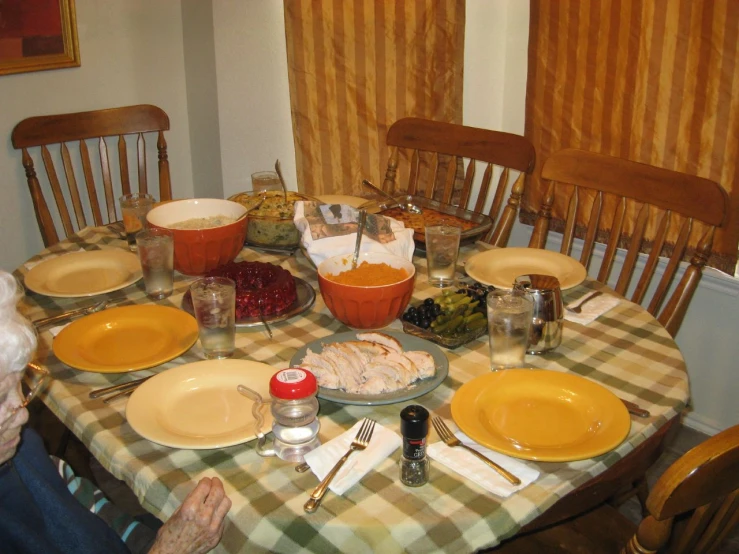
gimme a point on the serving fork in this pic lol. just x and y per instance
(448, 437)
(360, 442)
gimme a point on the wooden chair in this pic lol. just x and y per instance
(446, 148)
(692, 508)
(66, 129)
(586, 183)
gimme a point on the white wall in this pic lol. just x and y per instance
(135, 52)
(132, 53)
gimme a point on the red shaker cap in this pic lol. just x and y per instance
(293, 383)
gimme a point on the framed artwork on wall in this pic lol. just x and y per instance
(36, 35)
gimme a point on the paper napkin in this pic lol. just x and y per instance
(469, 466)
(593, 309)
(384, 442)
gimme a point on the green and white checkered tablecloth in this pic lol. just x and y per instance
(626, 350)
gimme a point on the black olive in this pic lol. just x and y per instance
(428, 302)
(424, 323)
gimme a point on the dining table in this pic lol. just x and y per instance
(625, 350)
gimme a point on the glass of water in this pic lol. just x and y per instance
(156, 253)
(442, 249)
(214, 303)
(510, 314)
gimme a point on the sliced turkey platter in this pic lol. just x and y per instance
(375, 363)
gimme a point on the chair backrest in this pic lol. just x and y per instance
(452, 150)
(586, 183)
(66, 129)
(702, 485)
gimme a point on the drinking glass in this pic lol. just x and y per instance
(509, 322)
(214, 303)
(134, 208)
(265, 180)
(442, 249)
(156, 253)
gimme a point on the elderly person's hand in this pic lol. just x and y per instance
(197, 525)
(12, 419)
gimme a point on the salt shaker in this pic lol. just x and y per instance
(294, 408)
(414, 464)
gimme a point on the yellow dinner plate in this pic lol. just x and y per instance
(500, 266)
(84, 273)
(197, 405)
(536, 414)
(124, 339)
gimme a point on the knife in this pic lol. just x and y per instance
(635, 409)
(64, 316)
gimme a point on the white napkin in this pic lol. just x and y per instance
(468, 465)
(383, 443)
(593, 309)
(324, 234)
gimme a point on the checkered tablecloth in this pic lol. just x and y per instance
(626, 350)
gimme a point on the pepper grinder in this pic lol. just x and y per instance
(414, 464)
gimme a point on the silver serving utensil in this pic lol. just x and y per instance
(264, 321)
(282, 179)
(119, 387)
(406, 207)
(446, 435)
(360, 231)
(64, 316)
(360, 442)
(577, 308)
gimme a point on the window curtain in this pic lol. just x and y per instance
(655, 82)
(354, 68)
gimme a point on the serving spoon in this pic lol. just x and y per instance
(360, 230)
(406, 207)
(282, 179)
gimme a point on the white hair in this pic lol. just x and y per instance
(17, 335)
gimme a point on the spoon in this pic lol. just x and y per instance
(282, 179)
(250, 208)
(406, 207)
(264, 321)
(360, 230)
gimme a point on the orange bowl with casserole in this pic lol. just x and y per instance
(369, 305)
(207, 231)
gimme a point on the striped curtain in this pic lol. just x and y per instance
(355, 67)
(655, 82)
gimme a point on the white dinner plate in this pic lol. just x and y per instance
(84, 273)
(500, 266)
(408, 342)
(197, 405)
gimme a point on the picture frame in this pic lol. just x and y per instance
(37, 35)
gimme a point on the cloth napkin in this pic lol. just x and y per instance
(593, 309)
(328, 230)
(383, 443)
(468, 465)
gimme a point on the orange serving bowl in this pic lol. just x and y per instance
(366, 307)
(197, 251)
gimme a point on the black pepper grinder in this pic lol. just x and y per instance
(414, 464)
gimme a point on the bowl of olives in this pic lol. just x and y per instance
(452, 318)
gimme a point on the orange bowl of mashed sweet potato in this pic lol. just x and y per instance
(370, 296)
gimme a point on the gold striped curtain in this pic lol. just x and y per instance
(653, 81)
(354, 68)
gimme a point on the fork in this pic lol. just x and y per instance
(577, 308)
(360, 442)
(446, 435)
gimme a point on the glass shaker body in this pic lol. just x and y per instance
(294, 409)
(414, 463)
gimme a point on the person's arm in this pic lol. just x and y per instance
(197, 525)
